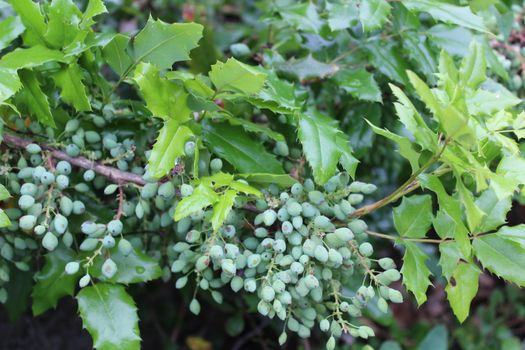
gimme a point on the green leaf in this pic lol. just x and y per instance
(62, 25)
(442, 11)
(4, 219)
(222, 208)
(28, 58)
(514, 233)
(360, 84)
(165, 99)
(415, 271)
(418, 49)
(276, 95)
(31, 17)
(4, 193)
(452, 39)
(94, 8)
(35, 99)
(388, 60)
(52, 282)
(163, 44)
(373, 14)
(110, 316)
(496, 210)
(347, 160)
(235, 76)
(72, 90)
(483, 102)
(217, 180)
(239, 149)
(282, 180)
(116, 54)
(462, 288)
(435, 339)
(136, 267)
(449, 257)
(202, 197)
(501, 255)
(307, 69)
(473, 213)
(473, 67)
(254, 127)
(340, 15)
(413, 217)
(10, 29)
(9, 83)
(169, 146)
(318, 135)
(245, 188)
(302, 16)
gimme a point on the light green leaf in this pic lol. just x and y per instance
(360, 84)
(163, 44)
(52, 282)
(9, 83)
(448, 13)
(165, 99)
(10, 29)
(72, 90)
(282, 180)
(110, 316)
(4, 193)
(347, 160)
(216, 180)
(116, 54)
(4, 219)
(484, 102)
(452, 39)
(495, 208)
(94, 8)
(502, 256)
(136, 267)
(254, 127)
(462, 289)
(473, 213)
(449, 257)
(473, 66)
(35, 99)
(302, 16)
(32, 18)
(62, 25)
(235, 76)
(413, 217)
(415, 271)
(202, 197)
(239, 149)
(169, 146)
(222, 208)
(307, 69)
(276, 95)
(341, 14)
(28, 58)
(514, 233)
(246, 189)
(418, 49)
(435, 339)
(373, 14)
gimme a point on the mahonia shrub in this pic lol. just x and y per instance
(118, 169)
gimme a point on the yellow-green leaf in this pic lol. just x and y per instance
(222, 208)
(202, 197)
(72, 90)
(235, 76)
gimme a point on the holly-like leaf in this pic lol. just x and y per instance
(462, 288)
(341, 14)
(10, 29)
(32, 18)
(495, 209)
(9, 83)
(163, 44)
(276, 95)
(116, 54)
(94, 8)
(302, 16)
(415, 271)
(473, 66)
(52, 282)
(4, 219)
(360, 84)
(72, 90)
(169, 146)
(239, 149)
(373, 14)
(413, 217)
(136, 267)
(164, 98)
(388, 60)
(63, 17)
(514, 233)
(307, 68)
(29, 58)
(222, 208)
(245, 188)
(282, 180)
(235, 76)
(110, 316)
(34, 98)
(202, 197)
(4, 193)
(454, 40)
(501, 255)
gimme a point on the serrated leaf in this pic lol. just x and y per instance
(116, 54)
(340, 15)
(514, 233)
(318, 136)
(216, 180)
(435, 339)
(52, 282)
(282, 180)
(473, 66)
(307, 68)
(4, 219)
(360, 84)
(235, 76)
(202, 197)
(302, 16)
(136, 267)
(165, 99)
(94, 8)
(461, 16)
(417, 48)
(72, 90)
(34, 98)
(502, 256)
(388, 60)
(10, 29)
(415, 271)
(110, 316)
(496, 210)
(32, 18)
(168, 146)
(276, 95)
(4, 193)
(9, 83)
(222, 208)
(373, 14)
(413, 217)
(28, 58)
(63, 17)
(233, 144)
(449, 257)
(254, 127)
(347, 159)
(245, 188)
(452, 39)
(473, 213)
(462, 288)
(483, 102)
(163, 44)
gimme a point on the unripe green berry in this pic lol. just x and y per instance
(50, 241)
(109, 268)
(72, 267)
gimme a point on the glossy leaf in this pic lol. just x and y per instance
(202, 197)
(73, 91)
(9, 83)
(235, 76)
(388, 61)
(302, 16)
(4, 219)
(341, 14)
(32, 18)
(360, 84)
(222, 208)
(413, 217)
(373, 14)
(415, 271)
(4, 193)
(116, 54)
(136, 267)
(496, 210)
(10, 29)
(94, 8)
(462, 288)
(28, 58)
(110, 316)
(35, 99)
(307, 69)
(63, 17)
(282, 180)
